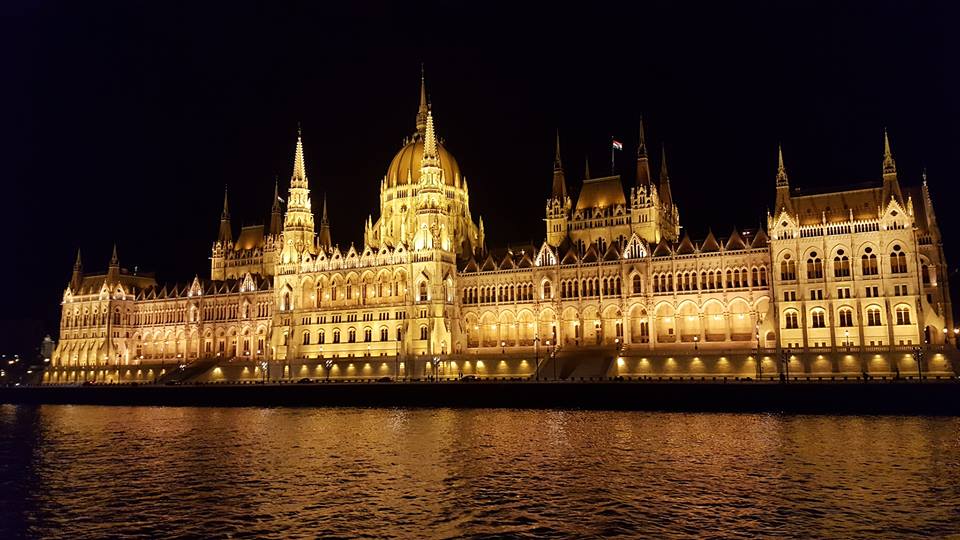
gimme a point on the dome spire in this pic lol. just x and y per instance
(299, 166)
(422, 111)
(430, 140)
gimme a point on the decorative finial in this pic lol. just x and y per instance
(299, 165)
(226, 206)
(77, 265)
(422, 110)
(114, 260)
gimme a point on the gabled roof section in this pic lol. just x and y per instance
(760, 240)
(489, 264)
(663, 249)
(710, 244)
(570, 257)
(612, 253)
(686, 247)
(591, 255)
(735, 242)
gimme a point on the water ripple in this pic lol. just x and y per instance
(79, 472)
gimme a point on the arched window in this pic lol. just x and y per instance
(791, 320)
(547, 292)
(321, 337)
(286, 302)
(306, 337)
(763, 276)
(116, 317)
(336, 335)
(841, 265)
(814, 266)
(903, 315)
(384, 334)
(333, 292)
(817, 319)
(873, 316)
(846, 317)
(898, 261)
(367, 334)
(399, 334)
(788, 269)
(423, 332)
(423, 291)
(352, 336)
(868, 262)
(637, 284)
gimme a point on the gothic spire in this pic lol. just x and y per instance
(226, 206)
(114, 260)
(643, 163)
(784, 202)
(586, 168)
(324, 237)
(891, 186)
(782, 180)
(77, 275)
(666, 197)
(78, 265)
(299, 166)
(559, 191)
(275, 211)
(225, 235)
(889, 165)
(430, 139)
(422, 111)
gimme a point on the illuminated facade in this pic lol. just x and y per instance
(839, 283)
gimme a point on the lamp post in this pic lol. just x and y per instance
(918, 358)
(329, 365)
(696, 343)
(759, 360)
(536, 352)
(846, 338)
(396, 360)
(265, 368)
(785, 361)
(436, 368)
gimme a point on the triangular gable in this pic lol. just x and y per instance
(546, 256)
(735, 242)
(489, 265)
(663, 249)
(612, 253)
(760, 240)
(471, 266)
(636, 249)
(591, 255)
(570, 257)
(525, 261)
(507, 262)
(686, 247)
(710, 244)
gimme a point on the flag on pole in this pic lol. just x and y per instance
(617, 145)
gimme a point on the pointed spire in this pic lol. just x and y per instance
(78, 264)
(299, 166)
(557, 165)
(889, 165)
(225, 235)
(666, 196)
(782, 180)
(77, 277)
(226, 205)
(324, 239)
(891, 186)
(423, 109)
(784, 201)
(559, 189)
(275, 211)
(586, 168)
(430, 139)
(643, 163)
(114, 260)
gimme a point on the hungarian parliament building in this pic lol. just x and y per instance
(837, 285)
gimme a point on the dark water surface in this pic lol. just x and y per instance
(91, 472)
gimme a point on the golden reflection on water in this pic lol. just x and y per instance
(89, 472)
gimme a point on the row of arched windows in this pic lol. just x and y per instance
(873, 317)
(515, 292)
(869, 264)
(590, 287)
(367, 337)
(733, 278)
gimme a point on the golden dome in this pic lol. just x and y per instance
(406, 165)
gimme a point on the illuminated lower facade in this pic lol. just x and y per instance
(836, 285)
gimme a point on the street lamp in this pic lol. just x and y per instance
(918, 358)
(696, 343)
(329, 365)
(846, 338)
(436, 368)
(759, 362)
(536, 350)
(265, 367)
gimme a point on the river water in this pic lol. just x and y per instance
(91, 472)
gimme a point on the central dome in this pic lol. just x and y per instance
(405, 167)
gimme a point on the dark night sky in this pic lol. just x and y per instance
(123, 122)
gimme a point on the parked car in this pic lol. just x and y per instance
(384, 379)
(305, 380)
(469, 378)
